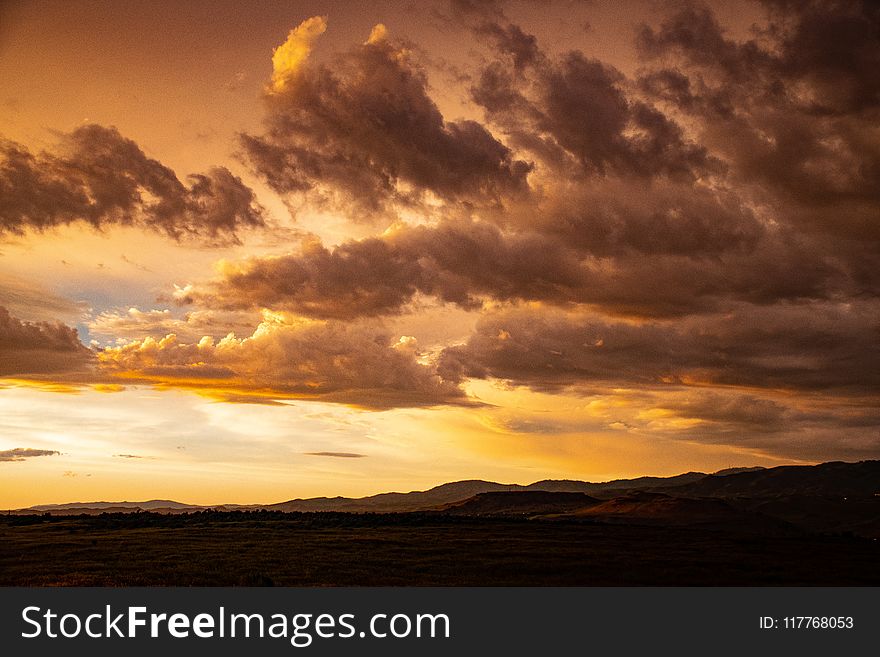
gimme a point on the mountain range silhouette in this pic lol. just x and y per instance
(830, 497)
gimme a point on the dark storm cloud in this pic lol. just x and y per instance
(365, 128)
(585, 111)
(456, 262)
(573, 108)
(22, 453)
(734, 412)
(511, 40)
(688, 265)
(794, 347)
(628, 213)
(99, 177)
(39, 347)
(695, 31)
(829, 46)
(705, 233)
(665, 218)
(363, 278)
(774, 138)
(800, 426)
(795, 120)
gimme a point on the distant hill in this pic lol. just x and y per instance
(647, 508)
(519, 503)
(859, 516)
(462, 490)
(836, 478)
(396, 502)
(149, 505)
(607, 488)
(634, 507)
(730, 471)
(830, 480)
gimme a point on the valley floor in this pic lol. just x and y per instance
(329, 549)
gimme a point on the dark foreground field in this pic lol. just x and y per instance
(328, 549)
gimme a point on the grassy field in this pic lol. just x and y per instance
(328, 549)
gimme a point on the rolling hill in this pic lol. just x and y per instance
(519, 503)
(746, 488)
(836, 478)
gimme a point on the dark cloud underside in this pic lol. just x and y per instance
(37, 348)
(99, 177)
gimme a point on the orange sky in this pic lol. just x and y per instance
(251, 253)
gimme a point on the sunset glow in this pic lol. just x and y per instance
(257, 251)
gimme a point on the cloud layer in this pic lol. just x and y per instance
(22, 453)
(677, 192)
(39, 348)
(697, 239)
(798, 347)
(709, 223)
(99, 177)
(365, 132)
(357, 364)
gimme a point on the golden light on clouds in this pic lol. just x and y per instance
(288, 58)
(461, 240)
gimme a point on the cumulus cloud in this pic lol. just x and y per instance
(365, 131)
(289, 57)
(349, 363)
(360, 364)
(134, 323)
(739, 149)
(22, 453)
(99, 177)
(39, 348)
(648, 198)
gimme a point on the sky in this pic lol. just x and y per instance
(257, 251)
